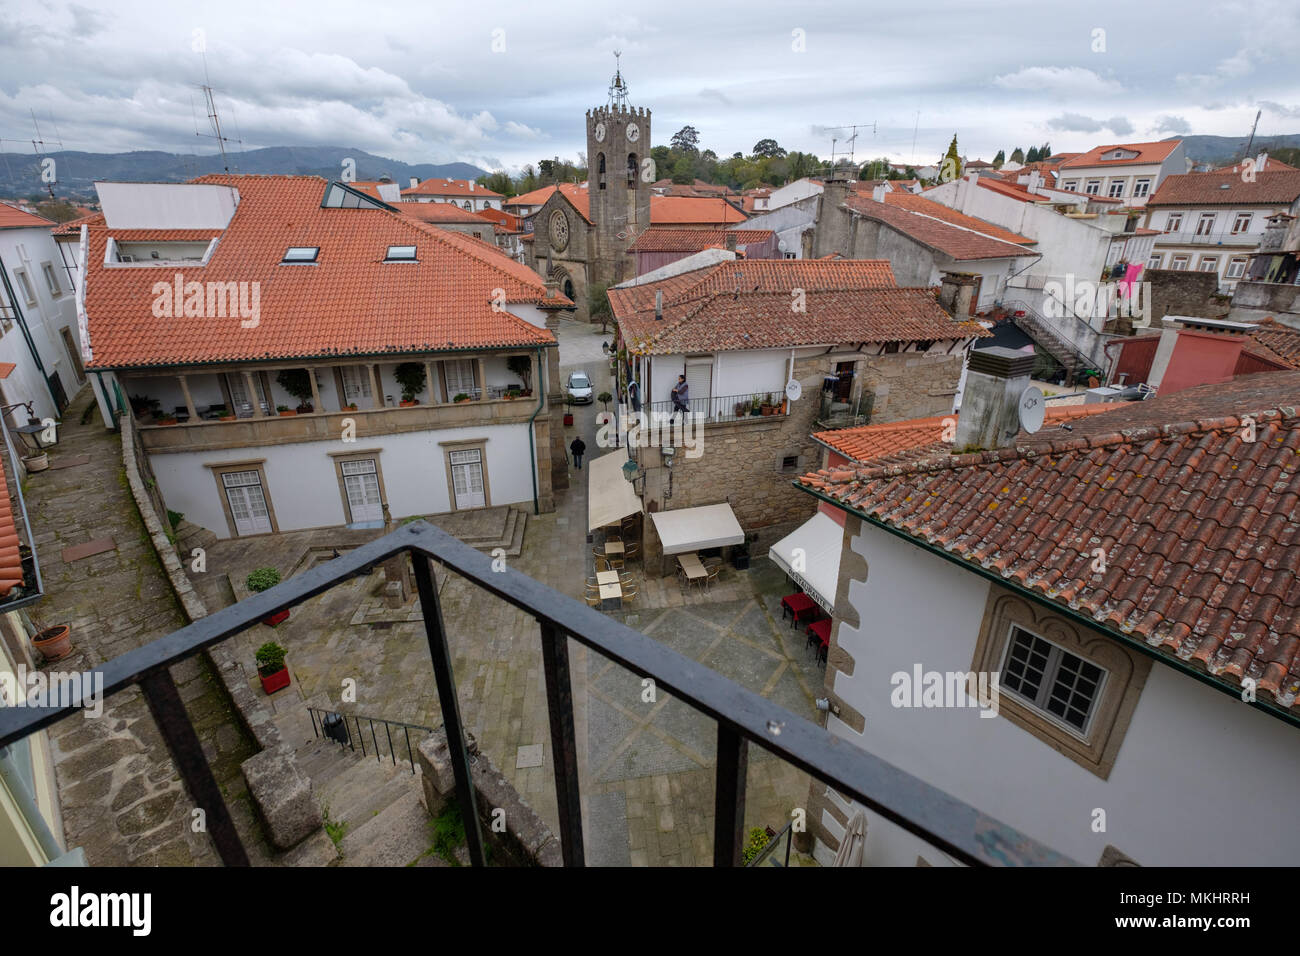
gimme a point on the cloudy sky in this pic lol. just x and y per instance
(505, 83)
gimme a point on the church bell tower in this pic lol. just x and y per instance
(619, 178)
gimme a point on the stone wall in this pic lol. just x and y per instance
(1177, 292)
(279, 789)
(507, 822)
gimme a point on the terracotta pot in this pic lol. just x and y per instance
(167, 421)
(767, 409)
(226, 418)
(54, 643)
(408, 404)
(288, 413)
(37, 462)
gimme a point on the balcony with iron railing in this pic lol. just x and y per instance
(1190, 234)
(743, 718)
(715, 409)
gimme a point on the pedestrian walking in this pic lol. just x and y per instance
(578, 447)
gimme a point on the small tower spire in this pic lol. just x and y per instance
(617, 88)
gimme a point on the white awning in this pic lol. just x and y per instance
(708, 526)
(816, 568)
(610, 497)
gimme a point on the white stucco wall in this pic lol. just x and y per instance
(303, 489)
(1200, 778)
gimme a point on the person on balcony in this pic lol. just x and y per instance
(681, 396)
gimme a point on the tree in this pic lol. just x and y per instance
(1018, 155)
(498, 182)
(950, 167)
(683, 171)
(1032, 155)
(1045, 151)
(598, 304)
(686, 140)
(999, 159)
(767, 148)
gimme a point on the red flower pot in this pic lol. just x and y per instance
(277, 618)
(408, 404)
(568, 418)
(273, 682)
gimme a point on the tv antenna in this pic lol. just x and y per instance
(213, 118)
(851, 139)
(38, 145)
(1250, 142)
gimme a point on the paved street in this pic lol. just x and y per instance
(646, 766)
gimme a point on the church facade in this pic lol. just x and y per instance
(582, 234)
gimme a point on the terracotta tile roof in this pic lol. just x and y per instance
(537, 197)
(13, 218)
(504, 221)
(73, 226)
(438, 212)
(922, 437)
(1282, 341)
(1147, 153)
(747, 305)
(668, 239)
(577, 197)
(683, 210)
(1280, 188)
(1271, 165)
(460, 188)
(1013, 189)
(935, 233)
(937, 210)
(350, 303)
(1199, 527)
(11, 563)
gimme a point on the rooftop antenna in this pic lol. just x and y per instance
(1250, 142)
(38, 145)
(213, 118)
(617, 87)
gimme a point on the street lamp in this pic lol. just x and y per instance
(36, 437)
(634, 473)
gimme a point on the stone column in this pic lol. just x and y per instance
(482, 380)
(251, 386)
(315, 392)
(428, 383)
(375, 390)
(189, 399)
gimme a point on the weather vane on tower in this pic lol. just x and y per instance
(617, 88)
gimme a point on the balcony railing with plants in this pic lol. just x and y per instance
(726, 408)
(743, 717)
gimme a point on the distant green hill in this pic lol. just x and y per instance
(1221, 150)
(20, 173)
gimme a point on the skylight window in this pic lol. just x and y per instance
(300, 254)
(400, 254)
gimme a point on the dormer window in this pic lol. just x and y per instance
(300, 255)
(400, 254)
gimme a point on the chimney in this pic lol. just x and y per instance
(731, 241)
(471, 185)
(414, 182)
(1261, 162)
(878, 192)
(1196, 351)
(956, 290)
(659, 305)
(990, 403)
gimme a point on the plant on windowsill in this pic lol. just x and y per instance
(742, 409)
(462, 397)
(350, 407)
(263, 579)
(411, 376)
(166, 420)
(755, 405)
(297, 382)
(767, 408)
(271, 667)
(512, 392)
(285, 411)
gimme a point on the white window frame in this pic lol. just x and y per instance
(1116, 189)
(1241, 223)
(1173, 222)
(1205, 223)
(51, 279)
(1236, 267)
(356, 382)
(1208, 264)
(1070, 185)
(1093, 187)
(29, 290)
(1056, 658)
(1179, 263)
(1142, 187)
(1156, 261)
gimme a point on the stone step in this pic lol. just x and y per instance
(515, 548)
(397, 836)
(190, 536)
(362, 792)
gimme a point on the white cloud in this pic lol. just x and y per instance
(1062, 80)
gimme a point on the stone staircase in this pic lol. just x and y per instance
(374, 810)
(487, 528)
(1047, 335)
(190, 536)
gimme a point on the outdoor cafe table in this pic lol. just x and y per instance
(606, 577)
(695, 571)
(611, 596)
(613, 547)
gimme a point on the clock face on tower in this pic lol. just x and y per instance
(600, 132)
(633, 132)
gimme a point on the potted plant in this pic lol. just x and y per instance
(604, 398)
(271, 668)
(54, 643)
(143, 406)
(226, 418)
(350, 406)
(512, 393)
(297, 382)
(263, 579)
(568, 414)
(522, 366)
(767, 408)
(411, 376)
(742, 409)
(462, 397)
(306, 408)
(285, 411)
(166, 420)
(755, 405)
(37, 462)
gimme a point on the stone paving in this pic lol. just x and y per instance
(123, 800)
(646, 767)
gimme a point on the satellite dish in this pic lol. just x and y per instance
(793, 390)
(1032, 409)
(781, 245)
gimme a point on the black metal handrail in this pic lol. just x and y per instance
(351, 742)
(742, 716)
(788, 832)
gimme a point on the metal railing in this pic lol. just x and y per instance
(742, 716)
(722, 408)
(326, 729)
(854, 411)
(764, 855)
(1072, 351)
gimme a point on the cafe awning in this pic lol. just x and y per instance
(610, 497)
(690, 529)
(810, 555)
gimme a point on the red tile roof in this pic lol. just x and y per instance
(438, 212)
(1012, 189)
(684, 210)
(1147, 153)
(1280, 188)
(1199, 526)
(504, 221)
(537, 197)
(669, 239)
(13, 218)
(747, 304)
(1281, 341)
(11, 563)
(350, 303)
(460, 188)
(935, 233)
(921, 437)
(937, 210)
(1270, 165)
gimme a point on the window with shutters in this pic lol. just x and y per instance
(458, 374)
(361, 490)
(356, 382)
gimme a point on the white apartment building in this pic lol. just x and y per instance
(1130, 172)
